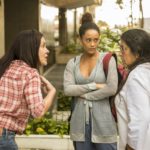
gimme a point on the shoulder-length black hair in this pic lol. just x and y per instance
(25, 47)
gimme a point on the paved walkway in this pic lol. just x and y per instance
(55, 75)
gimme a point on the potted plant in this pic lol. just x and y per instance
(45, 133)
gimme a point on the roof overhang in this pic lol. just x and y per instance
(71, 4)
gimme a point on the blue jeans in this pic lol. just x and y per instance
(7, 140)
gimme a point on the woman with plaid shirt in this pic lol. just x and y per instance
(20, 86)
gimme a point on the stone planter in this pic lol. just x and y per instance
(62, 58)
(50, 142)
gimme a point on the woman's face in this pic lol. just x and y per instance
(128, 57)
(43, 52)
(90, 41)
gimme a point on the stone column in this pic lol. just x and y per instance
(63, 36)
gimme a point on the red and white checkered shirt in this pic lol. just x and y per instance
(20, 96)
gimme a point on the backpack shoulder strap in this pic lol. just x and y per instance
(106, 60)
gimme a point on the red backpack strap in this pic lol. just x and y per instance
(106, 60)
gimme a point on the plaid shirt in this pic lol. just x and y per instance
(20, 96)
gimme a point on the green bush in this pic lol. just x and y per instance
(64, 102)
(109, 40)
(46, 125)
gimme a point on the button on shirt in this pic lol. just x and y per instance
(20, 96)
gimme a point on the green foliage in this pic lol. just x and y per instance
(109, 40)
(64, 102)
(46, 125)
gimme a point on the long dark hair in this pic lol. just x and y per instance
(138, 41)
(25, 47)
(87, 24)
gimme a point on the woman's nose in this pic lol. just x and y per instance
(92, 43)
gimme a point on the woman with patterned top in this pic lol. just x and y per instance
(20, 86)
(92, 126)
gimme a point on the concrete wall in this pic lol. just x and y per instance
(2, 47)
(19, 15)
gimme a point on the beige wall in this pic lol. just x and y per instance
(2, 47)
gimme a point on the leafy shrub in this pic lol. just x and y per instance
(46, 125)
(64, 102)
(109, 40)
